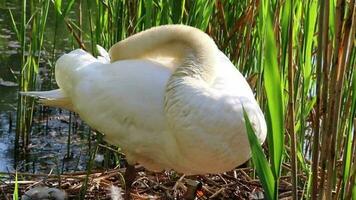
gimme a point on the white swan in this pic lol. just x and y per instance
(169, 98)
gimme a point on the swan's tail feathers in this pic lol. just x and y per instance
(53, 98)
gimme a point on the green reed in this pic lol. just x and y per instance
(30, 34)
(299, 57)
(15, 195)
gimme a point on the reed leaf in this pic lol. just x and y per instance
(273, 88)
(15, 195)
(68, 7)
(263, 169)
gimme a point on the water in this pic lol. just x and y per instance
(9, 66)
(48, 140)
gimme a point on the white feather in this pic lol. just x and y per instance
(104, 55)
(115, 193)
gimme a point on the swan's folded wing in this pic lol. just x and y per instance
(126, 93)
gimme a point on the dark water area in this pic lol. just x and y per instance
(9, 67)
(48, 148)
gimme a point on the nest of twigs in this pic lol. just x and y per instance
(236, 184)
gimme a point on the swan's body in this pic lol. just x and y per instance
(169, 98)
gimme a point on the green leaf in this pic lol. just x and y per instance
(15, 195)
(285, 19)
(273, 87)
(260, 162)
(349, 138)
(310, 22)
(68, 7)
(58, 6)
(14, 26)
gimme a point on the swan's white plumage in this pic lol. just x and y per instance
(163, 108)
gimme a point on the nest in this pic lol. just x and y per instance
(108, 184)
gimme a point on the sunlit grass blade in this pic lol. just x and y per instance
(43, 22)
(15, 195)
(273, 88)
(14, 26)
(260, 162)
(286, 15)
(201, 14)
(310, 22)
(349, 150)
(58, 6)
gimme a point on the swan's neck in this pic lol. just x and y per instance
(195, 49)
(189, 83)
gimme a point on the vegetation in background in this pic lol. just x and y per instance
(33, 26)
(298, 55)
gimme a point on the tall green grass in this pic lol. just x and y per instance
(15, 195)
(298, 55)
(263, 168)
(30, 33)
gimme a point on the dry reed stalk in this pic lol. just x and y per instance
(291, 111)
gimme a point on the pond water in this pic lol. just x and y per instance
(48, 149)
(9, 58)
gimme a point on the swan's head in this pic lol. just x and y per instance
(68, 63)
